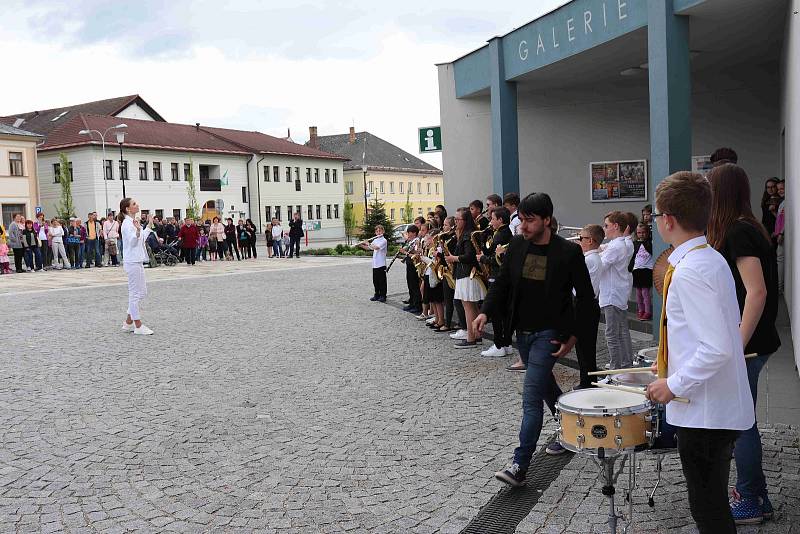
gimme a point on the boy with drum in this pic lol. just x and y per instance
(700, 353)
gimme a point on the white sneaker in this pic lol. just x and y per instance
(421, 317)
(607, 366)
(461, 334)
(128, 327)
(509, 350)
(493, 352)
(143, 331)
(431, 320)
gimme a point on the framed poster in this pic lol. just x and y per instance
(701, 164)
(618, 181)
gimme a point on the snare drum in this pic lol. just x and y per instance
(646, 357)
(616, 421)
(637, 380)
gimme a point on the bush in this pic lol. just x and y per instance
(341, 248)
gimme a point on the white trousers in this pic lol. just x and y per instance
(58, 250)
(137, 288)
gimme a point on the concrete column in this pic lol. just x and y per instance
(670, 105)
(505, 140)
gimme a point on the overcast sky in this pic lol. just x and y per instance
(254, 65)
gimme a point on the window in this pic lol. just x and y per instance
(335, 176)
(429, 188)
(244, 194)
(278, 212)
(186, 170)
(157, 171)
(310, 212)
(419, 188)
(328, 211)
(266, 173)
(401, 187)
(391, 214)
(143, 170)
(437, 187)
(369, 187)
(381, 186)
(410, 189)
(297, 185)
(348, 188)
(123, 170)
(289, 213)
(268, 209)
(299, 209)
(327, 176)
(160, 214)
(173, 169)
(319, 211)
(316, 176)
(308, 175)
(336, 211)
(15, 163)
(176, 213)
(108, 169)
(402, 212)
(288, 174)
(275, 174)
(145, 213)
(419, 211)
(391, 187)
(56, 173)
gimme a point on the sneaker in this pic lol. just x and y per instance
(554, 448)
(493, 352)
(143, 331)
(746, 511)
(421, 317)
(381, 299)
(513, 476)
(464, 344)
(431, 320)
(509, 350)
(607, 366)
(373, 299)
(461, 334)
(128, 327)
(514, 369)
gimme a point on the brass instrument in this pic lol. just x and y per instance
(479, 273)
(444, 271)
(367, 241)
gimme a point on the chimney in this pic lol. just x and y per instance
(312, 134)
(352, 139)
(197, 126)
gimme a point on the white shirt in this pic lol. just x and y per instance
(132, 246)
(110, 229)
(616, 281)
(594, 265)
(706, 357)
(379, 247)
(56, 234)
(643, 259)
(277, 231)
(514, 224)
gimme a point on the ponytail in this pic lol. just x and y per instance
(123, 209)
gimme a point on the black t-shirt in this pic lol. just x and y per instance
(532, 317)
(743, 240)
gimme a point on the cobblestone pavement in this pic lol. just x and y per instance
(272, 401)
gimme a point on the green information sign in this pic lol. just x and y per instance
(430, 139)
(313, 225)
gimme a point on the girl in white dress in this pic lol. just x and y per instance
(133, 239)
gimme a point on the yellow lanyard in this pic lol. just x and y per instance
(663, 351)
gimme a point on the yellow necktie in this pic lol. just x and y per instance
(663, 351)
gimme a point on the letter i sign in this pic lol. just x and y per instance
(430, 139)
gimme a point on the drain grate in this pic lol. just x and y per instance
(510, 506)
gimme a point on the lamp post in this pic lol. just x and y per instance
(120, 140)
(364, 168)
(103, 163)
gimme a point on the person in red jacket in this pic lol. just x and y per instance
(189, 235)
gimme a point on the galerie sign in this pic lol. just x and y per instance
(618, 181)
(573, 28)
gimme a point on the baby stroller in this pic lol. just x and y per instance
(161, 254)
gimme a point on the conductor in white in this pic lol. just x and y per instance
(133, 239)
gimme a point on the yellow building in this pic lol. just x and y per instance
(19, 187)
(388, 172)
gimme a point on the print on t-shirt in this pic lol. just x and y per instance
(535, 267)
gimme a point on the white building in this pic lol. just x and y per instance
(237, 174)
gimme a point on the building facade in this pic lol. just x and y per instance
(386, 172)
(19, 187)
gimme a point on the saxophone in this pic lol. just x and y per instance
(444, 271)
(478, 273)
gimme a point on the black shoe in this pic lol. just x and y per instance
(373, 299)
(513, 476)
(408, 308)
(381, 299)
(464, 344)
(406, 301)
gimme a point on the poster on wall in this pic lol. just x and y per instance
(701, 164)
(618, 181)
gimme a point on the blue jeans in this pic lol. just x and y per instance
(540, 385)
(277, 248)
(93, 252)
(32, 253)
(119, 248)
(750, 481)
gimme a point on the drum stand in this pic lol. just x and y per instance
(606, 465)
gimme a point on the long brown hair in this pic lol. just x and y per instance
(730, 202)
(123, 208)
(469, 224)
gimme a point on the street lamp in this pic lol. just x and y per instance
(120, 140)
(103, 163)
(364, 168)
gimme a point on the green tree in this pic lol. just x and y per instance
(66, 208)
(376, 216)
(408, 209)
(193, 209)
(349, 220)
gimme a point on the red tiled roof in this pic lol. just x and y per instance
(45, 121)
(139, 134)
(267, 144)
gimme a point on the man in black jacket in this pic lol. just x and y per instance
(295, 233)
(534, 292)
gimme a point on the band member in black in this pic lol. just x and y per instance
(412, 279)
(469, 290)
(476, 210)
(500, 237)
(534, 291)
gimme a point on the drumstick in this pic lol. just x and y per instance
(634, 390)
(632, 370)
(751, 355)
